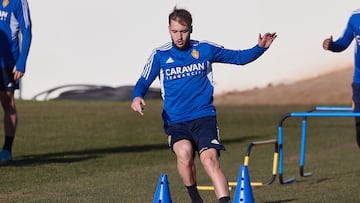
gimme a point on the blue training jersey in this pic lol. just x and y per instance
(186, 77)
(352, 31)
(14, 19)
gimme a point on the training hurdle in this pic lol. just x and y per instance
(328, 111)
(275, 162)
(304, 132)
(246, 163)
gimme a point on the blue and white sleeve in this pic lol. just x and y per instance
(343, 41)
(22, 15)
(149, 74)
(238, 57)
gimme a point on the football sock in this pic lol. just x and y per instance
(194, 193)
(225, 199)
(8, 142)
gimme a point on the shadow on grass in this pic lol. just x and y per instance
(332, 176)
(83, 155)
(280, 201)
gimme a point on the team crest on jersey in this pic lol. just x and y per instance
(5, 3)
(195, 53)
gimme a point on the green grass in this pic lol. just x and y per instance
(68, 151)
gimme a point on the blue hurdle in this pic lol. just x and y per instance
(330, 111)
(304, 131)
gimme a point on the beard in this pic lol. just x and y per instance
(183, 45)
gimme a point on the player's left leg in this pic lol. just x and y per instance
(208, 142)
(210, 161)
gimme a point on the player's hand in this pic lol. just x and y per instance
(327, 42)
(17, 74)
(266, 40)
(137, 105)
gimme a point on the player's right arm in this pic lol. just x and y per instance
(138, 104)
(150, 72)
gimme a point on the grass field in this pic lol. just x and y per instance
(68, 151)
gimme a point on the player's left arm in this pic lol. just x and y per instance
(22, 15)
(242, 57)
(266, 39)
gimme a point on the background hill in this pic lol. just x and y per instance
(332, 89)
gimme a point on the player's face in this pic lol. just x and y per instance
(180, 34)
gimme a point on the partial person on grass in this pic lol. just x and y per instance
(184, 68)
(15, 40)
(352, 31)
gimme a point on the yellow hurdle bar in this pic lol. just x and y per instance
(231, 185)
(254, 184)
(205, 187)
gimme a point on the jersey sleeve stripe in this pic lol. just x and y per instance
(148, 65)
(26, 16)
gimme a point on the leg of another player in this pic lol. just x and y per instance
(10, 123)
(356, 108)
(357, 129)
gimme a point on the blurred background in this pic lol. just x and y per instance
(105, 44)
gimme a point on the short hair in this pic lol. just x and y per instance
(181, 15)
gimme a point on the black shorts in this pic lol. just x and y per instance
(203, 133)
(7, 82)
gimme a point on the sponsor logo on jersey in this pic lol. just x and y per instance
(185, 71)
(195, 54)
(3, 15)
(5, 3)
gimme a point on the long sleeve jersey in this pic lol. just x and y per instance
(14, 19)
(352, 31)
(186, 77)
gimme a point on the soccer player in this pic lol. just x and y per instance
(15, 40)
(352, 31)
(184, 68)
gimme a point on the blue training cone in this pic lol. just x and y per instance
(243, 192)
(162, 194)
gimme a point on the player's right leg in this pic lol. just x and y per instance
(185, 162)
(186, 168)
(179, 142)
